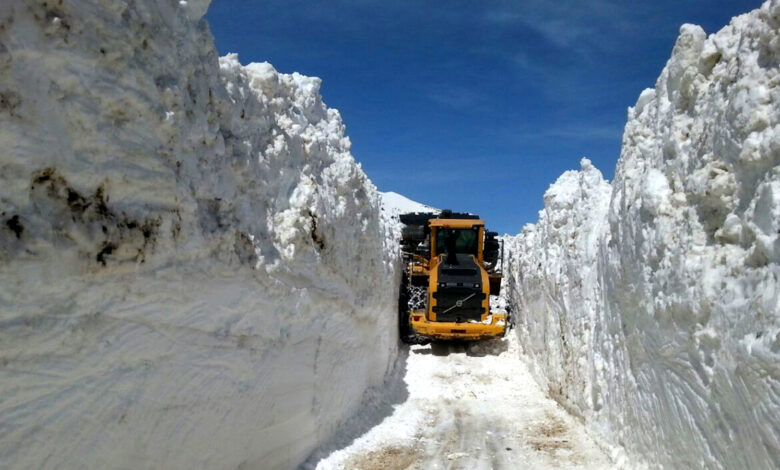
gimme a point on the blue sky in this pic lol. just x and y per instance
(472, 105)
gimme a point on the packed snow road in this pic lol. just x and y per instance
(474, 407)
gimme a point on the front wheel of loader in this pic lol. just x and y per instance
(404, 326)
(404, 329)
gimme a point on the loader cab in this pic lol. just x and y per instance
(457, 236)
(457, 240)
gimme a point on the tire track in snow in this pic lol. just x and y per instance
(472, 408)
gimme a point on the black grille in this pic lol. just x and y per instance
(459, 282)
(447, 308)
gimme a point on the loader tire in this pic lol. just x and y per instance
(404, 330)
(413, 234)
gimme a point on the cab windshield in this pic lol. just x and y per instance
(460, 240)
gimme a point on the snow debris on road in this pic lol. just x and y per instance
(652, 307)
(473, 407)
(194, 271)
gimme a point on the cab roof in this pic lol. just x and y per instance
(457, 223)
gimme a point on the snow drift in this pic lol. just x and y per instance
(651, 307)
(193, 269)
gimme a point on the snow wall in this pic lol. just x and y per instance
(650, 307)
(194, 272)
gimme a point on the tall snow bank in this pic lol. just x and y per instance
(558, 257)
(193, 268)
(656, 315)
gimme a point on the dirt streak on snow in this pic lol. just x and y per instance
(473, 408)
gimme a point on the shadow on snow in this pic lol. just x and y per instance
(378, 404)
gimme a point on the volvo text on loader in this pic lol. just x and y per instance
(450, 272)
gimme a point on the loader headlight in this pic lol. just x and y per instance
(476, 286)
(442, 285)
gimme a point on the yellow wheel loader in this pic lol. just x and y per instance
(450, 272)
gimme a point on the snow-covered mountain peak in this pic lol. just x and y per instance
(394, 204)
